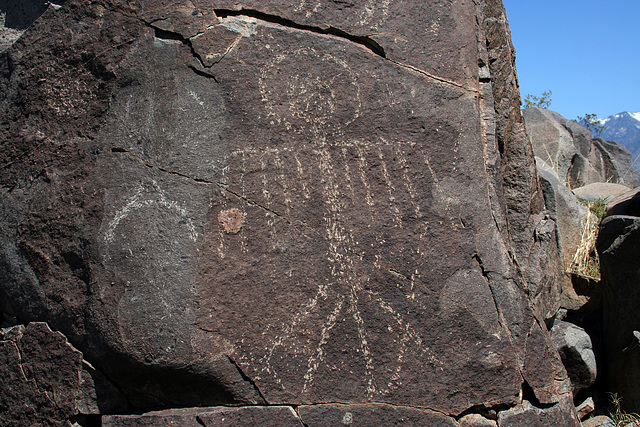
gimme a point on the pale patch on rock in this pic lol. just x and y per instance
(231, 220)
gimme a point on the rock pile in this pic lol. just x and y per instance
(576, 157)
(597, 348)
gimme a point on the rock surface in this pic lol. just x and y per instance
(599, 421)
(576, 158)
(535, 252)
(617, 162)
(585, 408)
(17, 16)
(563, 206)
(275, 416)
(576, 351)
(618, 246)
(529, 415)
(476, 420)
(551, 141)
(599, 191)
(39, 375)
(251, 203)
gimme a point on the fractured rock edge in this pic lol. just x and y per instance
(271, 19)
(15, 333)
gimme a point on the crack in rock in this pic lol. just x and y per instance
(364, 41)
(248, 380)
(171, 35)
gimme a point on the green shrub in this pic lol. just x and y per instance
(543, 101)
(598, 208)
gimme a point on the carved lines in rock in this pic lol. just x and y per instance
(319, 101)
(407, 336)
(153, 196)
(368, 15)
(343, 295)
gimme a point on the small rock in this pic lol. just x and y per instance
(476, 420)
(599, 421)
(585, 408)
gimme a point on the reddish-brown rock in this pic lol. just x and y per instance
(39, 376)
(266, 416)
(228, 203)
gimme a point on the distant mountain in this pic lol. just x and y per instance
(624, 128)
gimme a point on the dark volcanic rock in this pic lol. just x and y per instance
(529, 415)
(371, 414)
(228, 203)
(618, 246)
(274, 416)
(39, 375)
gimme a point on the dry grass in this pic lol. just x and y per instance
(619, 417)
(586, 261)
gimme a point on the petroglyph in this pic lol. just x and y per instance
(243, 25)
(149, 196)
(374, 13)
(345, 173)
(343, 205)
(313, 100)
(150, 240)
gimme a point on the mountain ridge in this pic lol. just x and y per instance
(623, 128)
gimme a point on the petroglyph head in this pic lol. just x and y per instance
(231, 220)
(347, 419)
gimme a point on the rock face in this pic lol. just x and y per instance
(618, 246)
(260, 203)
(39, 376)
(528, 415)
(576, 157)
(17, 16)
(563, 206)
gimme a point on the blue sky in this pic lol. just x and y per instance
(586, 52)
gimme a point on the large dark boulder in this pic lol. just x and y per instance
(261, 203)
(618, 246)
